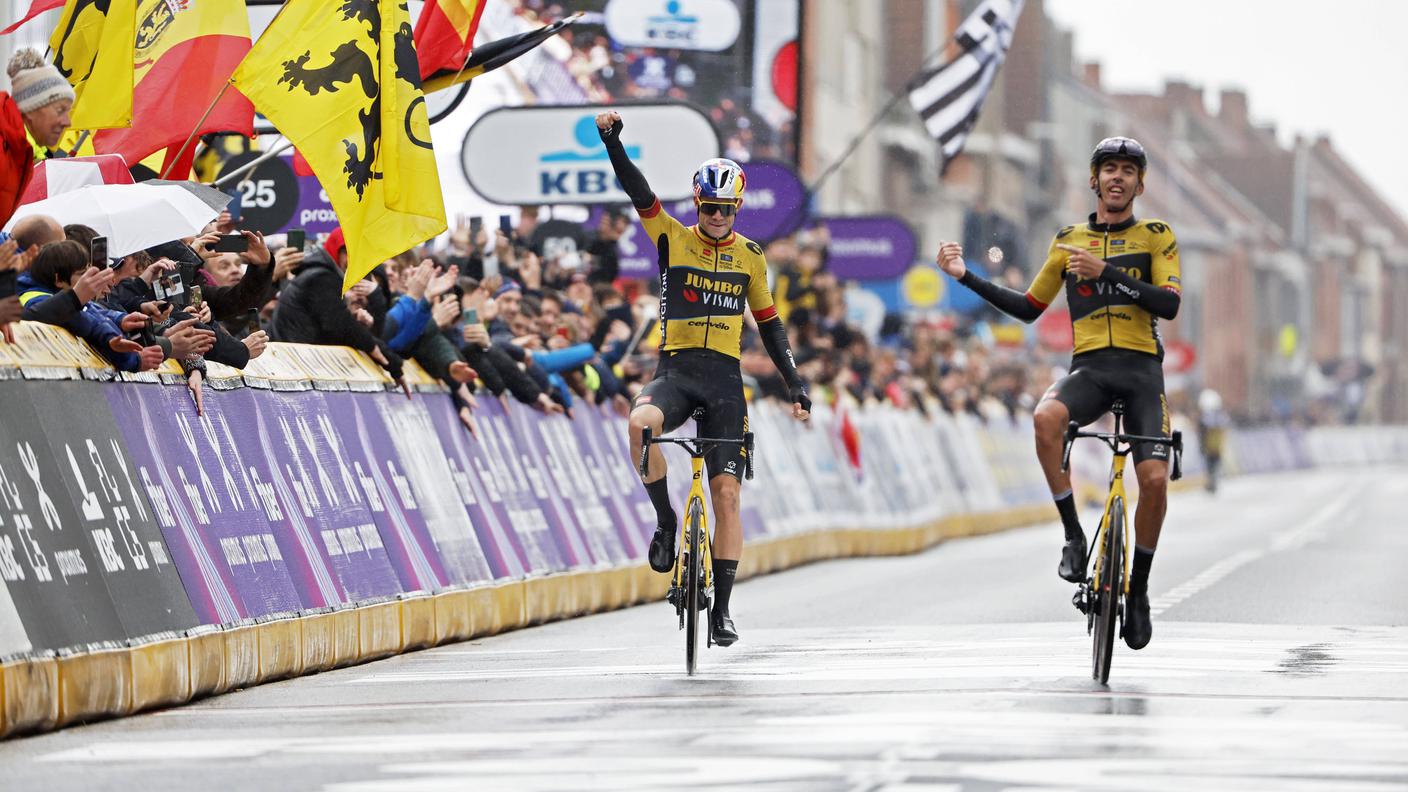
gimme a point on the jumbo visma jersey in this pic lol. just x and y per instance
(1102, 316)
(705, 284)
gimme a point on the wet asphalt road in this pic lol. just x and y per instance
(1279, 662)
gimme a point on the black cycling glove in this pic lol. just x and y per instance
(798, 393)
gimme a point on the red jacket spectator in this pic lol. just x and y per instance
(38, 104)
(16, 157)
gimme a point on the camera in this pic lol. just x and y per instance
(170, 288)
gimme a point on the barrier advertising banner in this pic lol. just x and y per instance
(478, 491)
(401, 433)
(521, 487)
(46, 557)
(210, 497)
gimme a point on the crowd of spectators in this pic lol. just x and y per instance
(533, 311)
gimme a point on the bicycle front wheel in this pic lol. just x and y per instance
(693, 577)
(1109, 586)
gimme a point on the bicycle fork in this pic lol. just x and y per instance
(1083, 599)
(695, 506)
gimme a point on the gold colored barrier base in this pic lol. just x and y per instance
(40, 694)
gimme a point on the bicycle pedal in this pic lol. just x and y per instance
(1080, 601)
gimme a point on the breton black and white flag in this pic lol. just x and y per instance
(949, 97)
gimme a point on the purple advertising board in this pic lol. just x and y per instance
(869, 248)
(402, 433)
(313, 212)
(322, 522)
(774, 205)
(614, 478)
(547, 480)
(366, 461)
(616, 446)
(478, 489)
(572, 464)
(519, 483)
(209, 498)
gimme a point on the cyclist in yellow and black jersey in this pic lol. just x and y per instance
(1121, 276)
(708, 273)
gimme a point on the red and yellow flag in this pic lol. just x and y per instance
(184, 55)
(444, 34)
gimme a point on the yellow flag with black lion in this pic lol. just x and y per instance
(342, 82)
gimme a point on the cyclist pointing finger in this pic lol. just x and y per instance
(708, 272)
(1121, 276)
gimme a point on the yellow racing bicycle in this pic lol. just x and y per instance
(1101, 596)
(692, 580)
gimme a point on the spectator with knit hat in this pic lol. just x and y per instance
(36, 109)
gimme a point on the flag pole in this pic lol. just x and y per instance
(82, 138)
(273, 151)
(899, 94)
(181, 151)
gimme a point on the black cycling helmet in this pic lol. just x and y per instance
(1122, 147)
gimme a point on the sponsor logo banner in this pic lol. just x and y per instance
(477, 488)
(325, 527)
(869, 248)
(554, 155)
(711, 25)
(211, 498)
(520, 483)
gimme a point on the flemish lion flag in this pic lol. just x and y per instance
(93, 48)
(341, 81)
(183, 56)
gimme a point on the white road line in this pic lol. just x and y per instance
(1311, 530)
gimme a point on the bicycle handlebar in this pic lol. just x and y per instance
(697, 447)
(1114, 440)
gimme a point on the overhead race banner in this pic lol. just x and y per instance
(538, 155)
(710, 25)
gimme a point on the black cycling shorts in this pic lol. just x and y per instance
(1098, 378)
(707, 386)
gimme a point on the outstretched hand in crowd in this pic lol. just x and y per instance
(256, 342)
(12, 259)
(93, 284)
(441, 283)
(286, 261)
(445, 312)
(188, 339)
(10, 310)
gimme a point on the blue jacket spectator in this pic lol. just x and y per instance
(53, 271)
(405, 322)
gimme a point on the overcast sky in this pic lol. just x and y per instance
(1309, 66)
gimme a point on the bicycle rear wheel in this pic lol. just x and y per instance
(693, 576)
(1109, 586)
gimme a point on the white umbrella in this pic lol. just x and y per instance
(132, 216)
